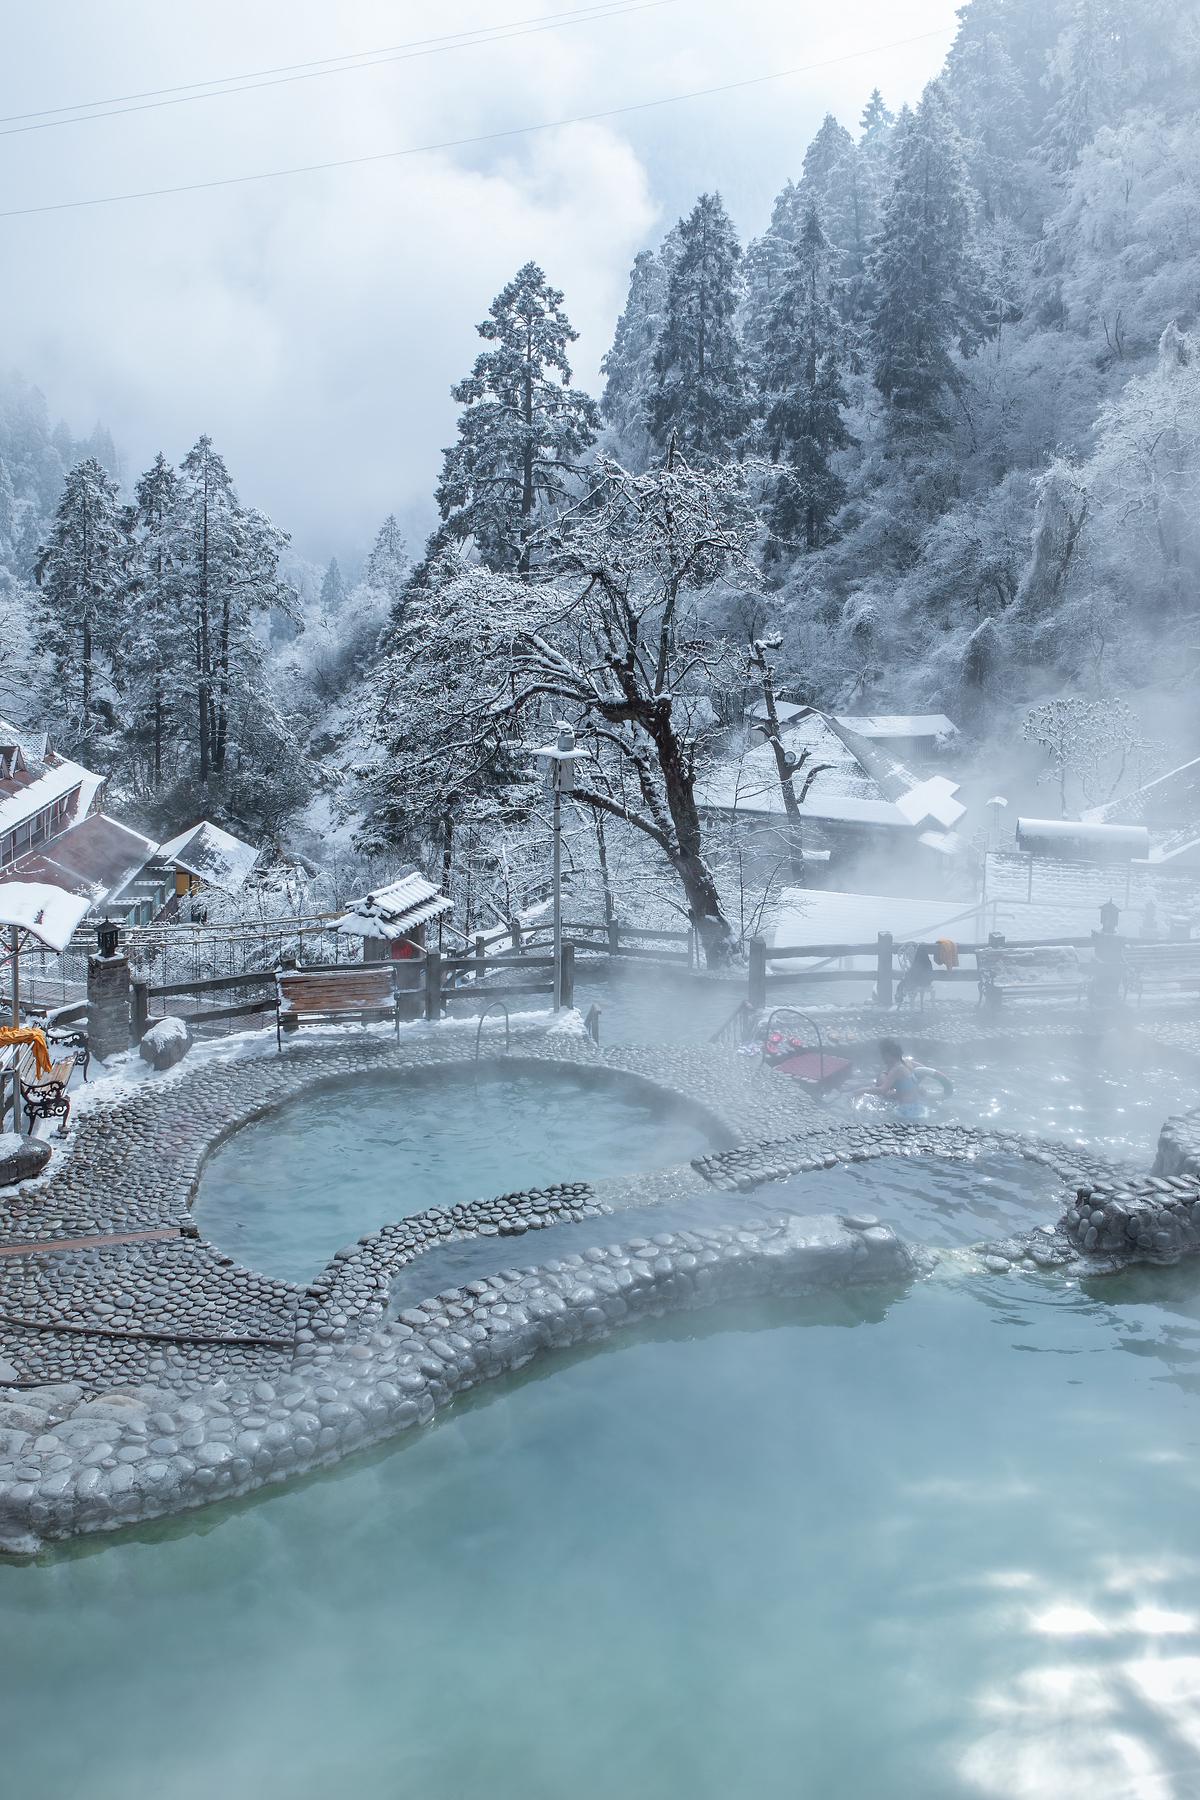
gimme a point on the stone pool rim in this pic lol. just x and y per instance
(453, 1072)
(337, 1330)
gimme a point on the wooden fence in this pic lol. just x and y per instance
(429, 987)
(881, 970)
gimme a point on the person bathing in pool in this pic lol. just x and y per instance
(899, 1080)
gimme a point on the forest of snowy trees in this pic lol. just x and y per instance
(934, 436)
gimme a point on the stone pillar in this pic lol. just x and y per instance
(108, 989)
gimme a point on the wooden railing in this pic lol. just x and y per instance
(881, 958)
(431, 984)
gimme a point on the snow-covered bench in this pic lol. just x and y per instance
(1037, 973)
(42, 1096)
(366, 992)
(1171, 966)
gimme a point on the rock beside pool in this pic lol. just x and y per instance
(166, 1043)
(21, 1157)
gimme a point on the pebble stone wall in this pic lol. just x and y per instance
(152, 1375)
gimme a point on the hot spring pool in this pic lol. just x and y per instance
(285, 1192)
(930, 1200)
(933, 1546)
(1108, 1092)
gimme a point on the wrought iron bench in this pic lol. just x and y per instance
(1035, 974)
(1168, 966)
(366, 992)
(42, 1096)
(70, 1037)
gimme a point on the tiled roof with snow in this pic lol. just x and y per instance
(1120, 841)
(899, 725)
(856, 784)
(98, 857)
(389, 912)
(26, 793)
(842, 791)
(212, 855)
(1171, 799)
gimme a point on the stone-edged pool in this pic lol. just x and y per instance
(288, 1190)
(929, 1546)
(931, 1538)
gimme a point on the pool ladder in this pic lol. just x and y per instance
(491, 1007)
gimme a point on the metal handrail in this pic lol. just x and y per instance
(491, 1007)
(721, 1034)
(796, 1013)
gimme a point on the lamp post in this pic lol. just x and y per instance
(558, 760)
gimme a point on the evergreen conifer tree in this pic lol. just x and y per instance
(628, 367)
(80, 571)
(523, 431)
(699, 394)
(154, 648)
(763, 267)
(226, 559)
(989, 108)
(928, 290)
(804, 425)
(333, 589)
(387, 567)
(823, 155)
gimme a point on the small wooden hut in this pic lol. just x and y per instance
(392, 922)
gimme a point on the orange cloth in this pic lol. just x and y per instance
(28, 1034)
(947, 953)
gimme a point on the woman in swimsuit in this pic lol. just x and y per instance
(898, 1081)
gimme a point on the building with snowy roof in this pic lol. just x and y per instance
(205, 856)
(56, 840)
(853, 794)
(41, 793)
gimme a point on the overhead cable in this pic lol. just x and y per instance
(84, 111)
(463, 143)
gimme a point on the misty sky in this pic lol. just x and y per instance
(314, 325)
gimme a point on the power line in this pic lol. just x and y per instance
(463, 143)
(366, 59)
(287, 68)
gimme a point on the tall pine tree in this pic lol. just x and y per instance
(763, 268)
(805, 427)
(523, 431)
(154, 648)
(628, 367)
(926, 277)
(80, 571)
(699, 393)
(387, 566)
(226, 560)
(333, 589)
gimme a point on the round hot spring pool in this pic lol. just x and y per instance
(286, 1191)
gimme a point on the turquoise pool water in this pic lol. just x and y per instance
(1108, 1092)
(931, 1200)
(287, 1191)
(928, 1547)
